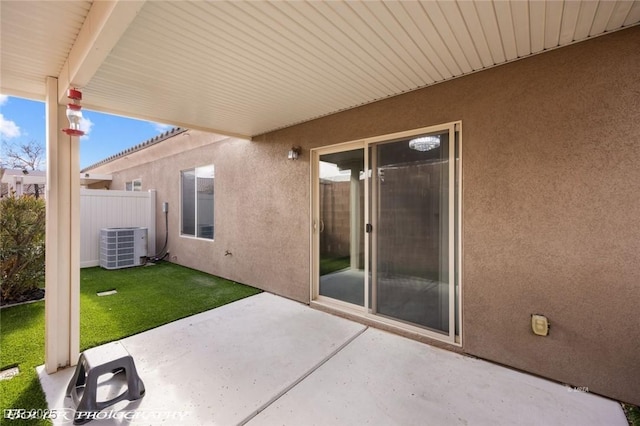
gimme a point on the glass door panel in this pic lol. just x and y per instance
(385, 227)
(341, 226)
(413, 225)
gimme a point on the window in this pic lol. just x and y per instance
(134, 185)
(197, 202)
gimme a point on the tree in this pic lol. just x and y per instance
(26, 156)
(22, 250)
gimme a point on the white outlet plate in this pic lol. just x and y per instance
(540, 325)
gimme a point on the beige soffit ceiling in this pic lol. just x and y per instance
(246, 67)
(35, 40)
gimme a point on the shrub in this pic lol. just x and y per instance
(22, 238)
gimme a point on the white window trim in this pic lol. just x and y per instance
(133, 185)
(188, 236)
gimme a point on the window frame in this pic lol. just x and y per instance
(456, 303)
(134, 187)
(194, 170)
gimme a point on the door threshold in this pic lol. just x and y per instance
(356, 313)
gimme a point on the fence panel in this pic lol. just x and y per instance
(113, 209)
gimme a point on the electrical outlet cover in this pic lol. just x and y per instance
(540, 325)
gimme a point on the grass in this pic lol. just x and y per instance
(332, 264)
(633, 414)
(22, 344)
(147, 297)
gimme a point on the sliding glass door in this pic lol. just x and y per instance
(340, 226)
(398, 196)
(413, 184)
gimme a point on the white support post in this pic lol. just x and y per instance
(62, 270)
(103, 27)
(52, 309)
(74, 253)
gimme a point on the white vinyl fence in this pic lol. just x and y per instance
(113, 209)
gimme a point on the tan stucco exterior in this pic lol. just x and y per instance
(551, 152)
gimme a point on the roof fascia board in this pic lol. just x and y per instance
(106, 22)
(21, 94)
(175, 123)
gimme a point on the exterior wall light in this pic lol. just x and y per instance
(74, 113)
(294, 153)
(425, 143)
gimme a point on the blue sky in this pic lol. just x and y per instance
(22, 120)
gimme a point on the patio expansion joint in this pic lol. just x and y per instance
(302, 377)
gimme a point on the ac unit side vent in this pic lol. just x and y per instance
(122, 247)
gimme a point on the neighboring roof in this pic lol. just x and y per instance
(22, 172)
(243, 68)
(146, 144)
(28, 178)
(40, 177)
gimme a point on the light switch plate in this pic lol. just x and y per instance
(540, 325)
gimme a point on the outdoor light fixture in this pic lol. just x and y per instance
(425, 143)
(294, 153)
(74, 113)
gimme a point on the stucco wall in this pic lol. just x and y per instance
(261, 208)
(551, 156)
(551, 174)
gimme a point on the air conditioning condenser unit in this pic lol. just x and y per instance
(123, 247)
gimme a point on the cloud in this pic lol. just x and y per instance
(3, 99)
(8, 128)
(85, 126)
(162, 127)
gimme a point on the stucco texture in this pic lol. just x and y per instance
(257, 208)
(551, 171)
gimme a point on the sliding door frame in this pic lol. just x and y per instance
(455, 238)
(316, 222)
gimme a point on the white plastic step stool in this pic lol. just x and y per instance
(112, 358)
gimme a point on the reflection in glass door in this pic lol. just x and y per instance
(414, 229)
(341, 222)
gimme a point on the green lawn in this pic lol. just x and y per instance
(147, 297)
(332, 264)
(633, 414)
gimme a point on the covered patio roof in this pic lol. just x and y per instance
(246, 68)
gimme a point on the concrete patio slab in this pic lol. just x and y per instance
(223, 366)
(268, 360)
(384, 379)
